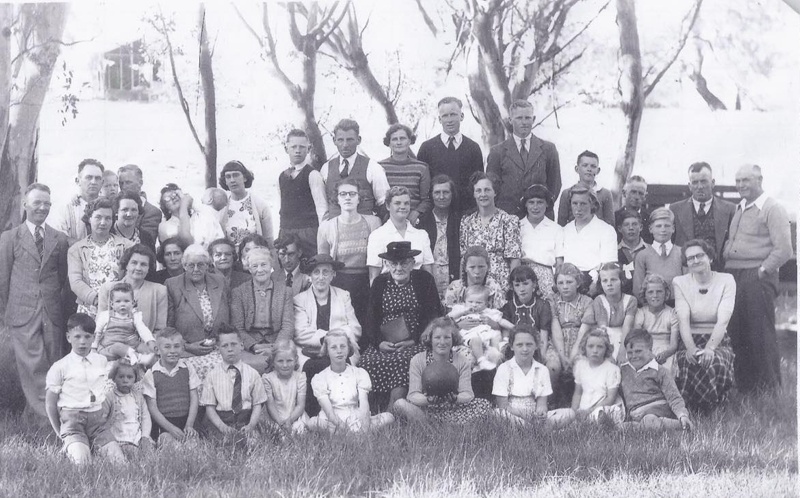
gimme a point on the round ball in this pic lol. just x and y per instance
(439, 379)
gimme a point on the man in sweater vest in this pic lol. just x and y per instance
(703, 216)
(758, 245)
(453, 154)
(372, 183)
(302, 192)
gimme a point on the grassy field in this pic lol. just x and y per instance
(747, 448)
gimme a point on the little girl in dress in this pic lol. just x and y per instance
(342, 390)
(597, 378)
(286, 391)
(128, 416)
(121, 333)
(660, 320)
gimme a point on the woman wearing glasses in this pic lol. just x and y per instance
(344, 239)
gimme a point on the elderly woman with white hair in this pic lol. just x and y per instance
(197, 305)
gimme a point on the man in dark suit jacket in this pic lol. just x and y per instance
(703, 216)
(453, 154)
(290, 256)
(130, 180)
(522, 160)
(33, 274)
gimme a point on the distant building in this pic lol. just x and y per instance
(127, 74)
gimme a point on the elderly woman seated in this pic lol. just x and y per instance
(261, 310)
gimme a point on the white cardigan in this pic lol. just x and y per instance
(343, 316)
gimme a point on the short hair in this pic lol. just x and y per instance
(286, 240)
(286, 346)
(170, 187)
(236, 166)
(700, 166)
(702, 244)
(661, 214)
(635, 179)
(612, 266)
(125, 363)
(394, 129)
(168, 333)
(580, 190)
(90, 162)
(255, 238)
(474, 252)
(639, 335)
(224, 328)
(143, 250)
(569, 269)
(120, 287)
(441, 322)
(535, 191)
(450, 100)
(523, 273)
(131, 168)
(523, 328)
(36, 186)
(600, 333)
(296, 132)
(440, 179)
(396, 191)
(478, 290)
(195, 250)
(626, 213)
(352, 346)
(346, 181)
(483, 175)
(519, 104)
(587, 153)
(99, 203)
(653, 278)
(347, 125)
(170, 241)
(221, 242)
(131, 196)
(109, 173)
(81, 321)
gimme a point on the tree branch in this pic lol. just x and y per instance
(425, 17)
(46, 43)
(555, 73)
(335, 24)
(249, 28)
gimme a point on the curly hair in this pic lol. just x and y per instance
(143, 250)
(394, 129)
(442, 322)
(236, 166)
(654, 278)
(99, 203)
(568, 269)
(600, 333)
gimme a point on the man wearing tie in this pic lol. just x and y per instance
(290, 254)
(703, 216)
(33, 273)
(522, 160)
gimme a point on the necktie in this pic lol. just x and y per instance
(663, 250)
(345, 170)
(523, 151)
(451, 144)
(39, 238)
(236, 399)
(702, 211)
(288, 279)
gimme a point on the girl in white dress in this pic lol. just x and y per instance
(597, 378)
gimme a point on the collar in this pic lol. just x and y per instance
(350, 160)
(546, 222)
(657, 246)
(32, 227)
(298, 167)
(158, 367)
(458, 138)
(76, 357)
(519, 140)
(652, 364)
(638, 247)
(239, 365)
(534, 366)
(409, 228)
(759, 202)
(707, 204)
(268, 285)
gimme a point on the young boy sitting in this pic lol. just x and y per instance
(76, 389)
(648, 389)
(170, 390)
(233, 391)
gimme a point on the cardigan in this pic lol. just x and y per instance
(343, 317)
(427, 222)
(76, 263)
(328, 235)
(243, 311)
(427, 296)
(151, 301)
(760, 236)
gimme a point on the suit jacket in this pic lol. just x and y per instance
(25, 279)
(243, 311)
(427, 222)
(149, 220)
(300, 282)
(343, 316)
(183, 308)
(684, 224)
(515, 176)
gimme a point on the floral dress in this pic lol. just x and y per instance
(500, 238)
(570, 316)
(100, 265)
(241, 219)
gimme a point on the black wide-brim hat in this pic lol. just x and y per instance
(398, 251)
(321, 259)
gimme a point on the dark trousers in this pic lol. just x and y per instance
(752, 330)
(235, 420)
(157, 430)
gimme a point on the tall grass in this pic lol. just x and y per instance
(747, 448)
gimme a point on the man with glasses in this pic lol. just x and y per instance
(290, 256)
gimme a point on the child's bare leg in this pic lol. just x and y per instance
(561, 417)
(113, 452)
(476, 345)
(79, 453)
(380, 420)
(553, 363)
(409, 411)
(652, 422)
(115, 351)
(395, 394)
(670, 424)
(166, 439)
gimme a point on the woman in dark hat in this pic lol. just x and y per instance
(318, 310)
(402, 303)
(541, 238)
(246, 214)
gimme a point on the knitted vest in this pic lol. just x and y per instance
(358, 172)
(704, 227)
(172, 393)
(297, 204)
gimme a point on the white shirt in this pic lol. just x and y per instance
(657, 247)
(510, 380)
(596, 381)
(79, 381)
(706, 204)
(542, 244)
(69, 219)
(148, 383)
(381, 236)
(520, 140)
(32, 228)
(759, 202)
(594, 245)
(376, 176)
(457, 139)
(652, 364)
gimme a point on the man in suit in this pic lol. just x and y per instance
(703, 216)
(522, 160)
(69, 217)
(290, 254)
(453, 154)
(130, 180)
(33, 274)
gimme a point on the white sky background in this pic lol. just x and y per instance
(250, 102)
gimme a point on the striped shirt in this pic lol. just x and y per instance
(218, 387)
(415, 176)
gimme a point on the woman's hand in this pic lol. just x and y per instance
(198, 349)
(402, 345)
(387, 347)
(540, 412)
(186, 201)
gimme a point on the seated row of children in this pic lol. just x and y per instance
(118, 421)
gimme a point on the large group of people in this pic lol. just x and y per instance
(420, 287)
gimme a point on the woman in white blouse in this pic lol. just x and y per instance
(542, 239)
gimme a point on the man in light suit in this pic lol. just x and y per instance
(290, 255)
(703, 216)
(130, 180)
(33, 274)
(523, 160)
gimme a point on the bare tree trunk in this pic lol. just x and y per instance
(701, 85)
(630, 88)
(46, 23)
(306, 103)
(6, 20)
(484, 108)
(210, 101)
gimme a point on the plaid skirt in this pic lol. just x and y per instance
(704, 388)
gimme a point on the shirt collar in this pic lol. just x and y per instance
(657, 246)
(652, 364)
(534, 366)
(446, 138)
(158, 367)
(706, 204)
(239, 366)
(32, 227)
(759, 202)
(350, 160)
(518, 141)
(77, 357)
(638, 247)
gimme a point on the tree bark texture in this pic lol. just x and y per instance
(484, 108)
(206, 69)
